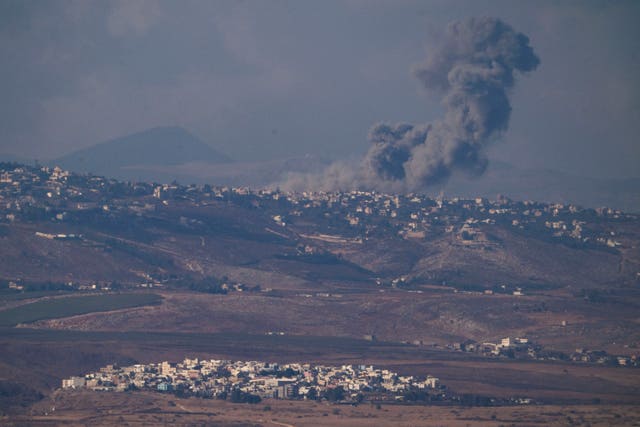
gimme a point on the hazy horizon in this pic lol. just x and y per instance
(274, 80)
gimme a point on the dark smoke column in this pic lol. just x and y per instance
(473, 70)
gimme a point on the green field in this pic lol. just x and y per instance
(7, 296)
(71, 306)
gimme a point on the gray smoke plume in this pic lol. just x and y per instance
(472, 69)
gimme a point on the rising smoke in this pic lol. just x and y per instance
(472, 69)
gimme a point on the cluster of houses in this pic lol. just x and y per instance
(59, 195)
(523, 348)
(220, 378)
(415, 216)
(603, 358)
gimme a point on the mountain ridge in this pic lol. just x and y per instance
(162, 146)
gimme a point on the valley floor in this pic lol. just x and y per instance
(146, 409)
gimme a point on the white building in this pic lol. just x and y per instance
(74, 382)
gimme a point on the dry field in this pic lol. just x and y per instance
(151, 409)
(434, 316)
(42, 358)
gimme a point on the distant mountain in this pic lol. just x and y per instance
(171, 153)
(157, 147)
(241, 173)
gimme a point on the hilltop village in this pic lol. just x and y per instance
(43, 193)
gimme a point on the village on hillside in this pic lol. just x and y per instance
(37, 193)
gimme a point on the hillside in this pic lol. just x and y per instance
(137, 233)
(400, 268)
(359, 237)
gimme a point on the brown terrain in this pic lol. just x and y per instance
(144, 409)
(312, 287)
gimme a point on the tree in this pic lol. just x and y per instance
(313, 394)
(334, 394)
(416, 396)
(238, 396)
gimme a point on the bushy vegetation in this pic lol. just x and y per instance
(334, 394)
(238, 396)
(210, 284)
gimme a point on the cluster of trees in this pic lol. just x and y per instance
(238, 396)
(416, 395)
(475, 400)
(334, 394)
(210, 285)
(43, 286)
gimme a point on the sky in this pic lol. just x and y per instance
(275, 79)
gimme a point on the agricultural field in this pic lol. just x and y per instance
(52, 308)
(10, 296)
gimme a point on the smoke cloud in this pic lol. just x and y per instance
(472, 70)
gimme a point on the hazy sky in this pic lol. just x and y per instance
(274, 78)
